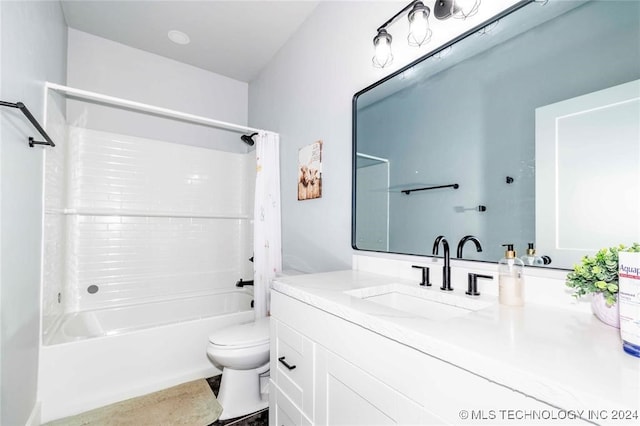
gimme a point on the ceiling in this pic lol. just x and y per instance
(236, 39)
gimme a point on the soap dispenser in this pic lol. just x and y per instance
(530, 258)
(510, 278)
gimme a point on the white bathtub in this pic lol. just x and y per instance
(94, 358)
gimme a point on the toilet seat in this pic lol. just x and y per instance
(240, 336)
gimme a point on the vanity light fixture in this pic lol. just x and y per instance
(419, 31)
(382, 46)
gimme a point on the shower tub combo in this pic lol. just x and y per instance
(140, 252)
(94, 358)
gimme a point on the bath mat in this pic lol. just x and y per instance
(189, 404)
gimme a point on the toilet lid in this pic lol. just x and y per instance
(242, 335)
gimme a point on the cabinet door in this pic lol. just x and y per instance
(346, 395)
(292, 365)
(282, 411)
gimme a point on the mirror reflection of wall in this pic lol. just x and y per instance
(470, 119)
(587, 191)
(372, 197)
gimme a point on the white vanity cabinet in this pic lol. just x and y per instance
(347, 375)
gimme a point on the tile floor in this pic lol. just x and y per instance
(261, 418)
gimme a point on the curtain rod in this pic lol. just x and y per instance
(139, 106)
(22, 107)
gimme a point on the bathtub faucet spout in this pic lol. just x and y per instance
(242, 283)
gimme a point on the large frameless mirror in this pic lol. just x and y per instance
(524, 131)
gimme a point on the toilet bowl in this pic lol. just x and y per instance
(243, 353)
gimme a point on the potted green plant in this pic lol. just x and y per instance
(598, 274)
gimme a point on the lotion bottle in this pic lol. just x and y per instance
(629, 301)
(510, 278)
(530, 258)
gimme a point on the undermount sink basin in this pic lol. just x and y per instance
(432, 304)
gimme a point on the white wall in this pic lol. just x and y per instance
(33, 36)
(111, 68)
(305, 93)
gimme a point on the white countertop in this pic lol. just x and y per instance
(565, 358)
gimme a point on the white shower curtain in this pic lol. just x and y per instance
(267, 243)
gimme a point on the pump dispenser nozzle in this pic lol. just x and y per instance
(530, 258)
(531, 251)
(510, 253)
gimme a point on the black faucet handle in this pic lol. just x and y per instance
(425, 275)
(472, 283)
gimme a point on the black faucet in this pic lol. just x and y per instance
(242, 283)
(462, 242)
(446, 269)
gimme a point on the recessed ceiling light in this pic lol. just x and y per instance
(178, 37)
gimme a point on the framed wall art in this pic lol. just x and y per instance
(310, 171)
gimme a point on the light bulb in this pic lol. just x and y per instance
(382, 45)
(419, 32)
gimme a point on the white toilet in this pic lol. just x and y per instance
(243, 352)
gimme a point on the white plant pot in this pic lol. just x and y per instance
(607, 314)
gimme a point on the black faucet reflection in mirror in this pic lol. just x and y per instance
(446, 269)
(463, 241)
